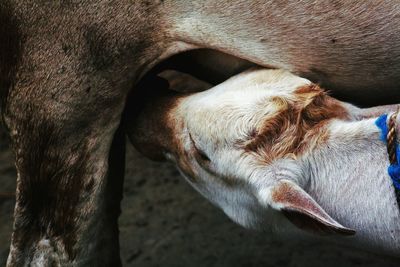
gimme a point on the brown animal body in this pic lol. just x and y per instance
(66, 69)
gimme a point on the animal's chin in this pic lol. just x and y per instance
(247, 220)
(262, 219)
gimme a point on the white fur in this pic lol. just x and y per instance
(347, 176)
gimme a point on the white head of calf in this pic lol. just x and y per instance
(271, 148)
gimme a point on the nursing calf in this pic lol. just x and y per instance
(270, 148)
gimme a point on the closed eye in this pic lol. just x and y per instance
(200, 154)
(203, 156)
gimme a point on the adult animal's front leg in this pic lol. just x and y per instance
(69, 183)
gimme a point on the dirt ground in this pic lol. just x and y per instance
(166, 223)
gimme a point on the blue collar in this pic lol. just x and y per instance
(393, 169)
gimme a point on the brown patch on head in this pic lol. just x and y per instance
(297, 125)
(318, 105)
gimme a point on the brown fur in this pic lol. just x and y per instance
(159, 137)
(297, 126)
(65, 79)
(51, 189)
(10, 49)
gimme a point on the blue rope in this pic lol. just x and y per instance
(381, 123)
(393, 169)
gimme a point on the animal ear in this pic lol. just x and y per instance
(303, 211)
